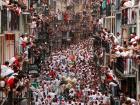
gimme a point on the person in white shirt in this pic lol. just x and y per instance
(38, 101)
(21, 39)
(118, 36)
(106, 99)
(33, 26)
(133, 101)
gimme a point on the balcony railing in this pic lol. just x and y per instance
(124, 66)
(128, 16)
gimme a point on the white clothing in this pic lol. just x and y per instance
(20, 40)
(128, 4)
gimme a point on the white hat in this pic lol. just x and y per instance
(26, 52)
(132, 40)
(136, 37)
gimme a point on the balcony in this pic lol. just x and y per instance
(128, 16)
(123, 66)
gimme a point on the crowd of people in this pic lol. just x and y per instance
(14, 79)
(126, 49)
(69, 77)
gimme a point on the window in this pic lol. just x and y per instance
(128, 16)
(136, 2)
(110, 23)
(108, 10)
(3, 20)
(117, 4)
(14, 24)
(26, 21)
(120, 64)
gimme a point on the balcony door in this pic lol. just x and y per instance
(10, 45)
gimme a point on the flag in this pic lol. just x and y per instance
(108, 2)
(10, 82)
(104, 4)
(66, 17)
(6, 71)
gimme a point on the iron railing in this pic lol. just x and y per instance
(12, 99)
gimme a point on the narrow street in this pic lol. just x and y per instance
(70, 77)
(69, 52)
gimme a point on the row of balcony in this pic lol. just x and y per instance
(119, 4)
(125, 67)
(128, 16)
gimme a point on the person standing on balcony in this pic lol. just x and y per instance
(33, 26)
(21, 40)
(118, 36)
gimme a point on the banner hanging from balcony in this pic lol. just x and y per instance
(6, 71)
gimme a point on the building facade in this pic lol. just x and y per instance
(120, 17)
(13, 23)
